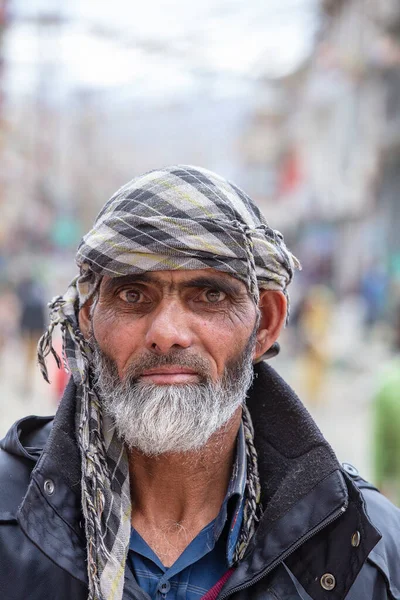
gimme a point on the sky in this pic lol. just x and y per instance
(161, 47)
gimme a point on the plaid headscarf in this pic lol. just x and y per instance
(180, 217)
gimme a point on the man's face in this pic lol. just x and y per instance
(173, 355)
(200, 314)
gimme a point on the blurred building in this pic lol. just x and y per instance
(387, 16)
(321, 149)
(3, 24)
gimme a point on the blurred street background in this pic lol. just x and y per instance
(297, 101)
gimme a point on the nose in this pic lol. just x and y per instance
(169, 328)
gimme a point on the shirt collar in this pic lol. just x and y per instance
(237, 483)
(236, 490)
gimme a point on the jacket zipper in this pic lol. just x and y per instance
(288, 552)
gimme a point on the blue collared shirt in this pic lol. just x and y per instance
(207, 557)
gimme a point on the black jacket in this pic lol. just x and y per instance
(326, 534)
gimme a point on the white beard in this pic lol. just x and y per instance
(156, 419)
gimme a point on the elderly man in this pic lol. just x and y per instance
(179, 465)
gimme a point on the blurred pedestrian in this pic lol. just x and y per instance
(314, 321)
(9, 315)
(387, 423)
(373, 289)
(32, 322)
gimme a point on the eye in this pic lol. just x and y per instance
(132, 296)
(212, 296)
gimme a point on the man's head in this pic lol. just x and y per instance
(179, 260)
(182, 286)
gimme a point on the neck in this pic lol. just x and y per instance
(175, 495)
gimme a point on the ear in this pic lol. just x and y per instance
(85, 321)
(273, 307)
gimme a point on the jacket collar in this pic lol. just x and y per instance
(50, 514)
(309, 503)
(293, 455)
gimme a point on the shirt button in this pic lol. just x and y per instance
(164, 587)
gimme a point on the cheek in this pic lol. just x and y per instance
(113, 336)
(225, 340)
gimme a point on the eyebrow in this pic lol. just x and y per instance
(229, 286)
(210, 281)
(113, 282)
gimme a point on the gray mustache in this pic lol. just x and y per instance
(179, 358)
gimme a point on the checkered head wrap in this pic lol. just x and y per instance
(180, 217)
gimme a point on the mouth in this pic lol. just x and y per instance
(170, 374)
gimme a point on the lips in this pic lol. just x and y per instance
(169, 369)
(169, 374)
